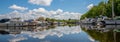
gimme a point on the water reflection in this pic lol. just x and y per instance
(18, 33)
(79, 33)
(16, 39)
(108, 33)
(15, 33)
(58, 31)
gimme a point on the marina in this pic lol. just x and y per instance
(60, 21)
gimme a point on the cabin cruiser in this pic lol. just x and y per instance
(102, 20)
(11, 22)
(89, 21)
(107, 21)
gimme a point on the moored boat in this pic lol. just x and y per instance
(16, 22)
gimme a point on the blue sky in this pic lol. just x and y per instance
(64, 6)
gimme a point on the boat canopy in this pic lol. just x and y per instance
(4, 20)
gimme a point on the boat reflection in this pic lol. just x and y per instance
(108, 33)
(18, 30)
(41, 32)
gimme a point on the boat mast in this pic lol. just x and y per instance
(104, 2)
(103, 8)
(113, 14)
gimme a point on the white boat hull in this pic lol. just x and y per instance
(111, 22)
(5, 24)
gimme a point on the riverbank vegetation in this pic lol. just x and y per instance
(104, 9)
(69, 21)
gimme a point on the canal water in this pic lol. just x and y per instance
(78, 33)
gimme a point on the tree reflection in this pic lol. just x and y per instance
(109, 36)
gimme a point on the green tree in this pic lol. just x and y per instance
(104, 9)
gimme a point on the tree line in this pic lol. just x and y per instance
(104, 9)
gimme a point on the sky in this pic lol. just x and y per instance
(59, 9)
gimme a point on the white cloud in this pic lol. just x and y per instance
(90, 6)
(59, 11)
(41, 12)
(15, 7)
(41, 2)
(23, 16)
(57, 14)
(68, 15)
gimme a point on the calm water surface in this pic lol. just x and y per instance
(80, 33)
